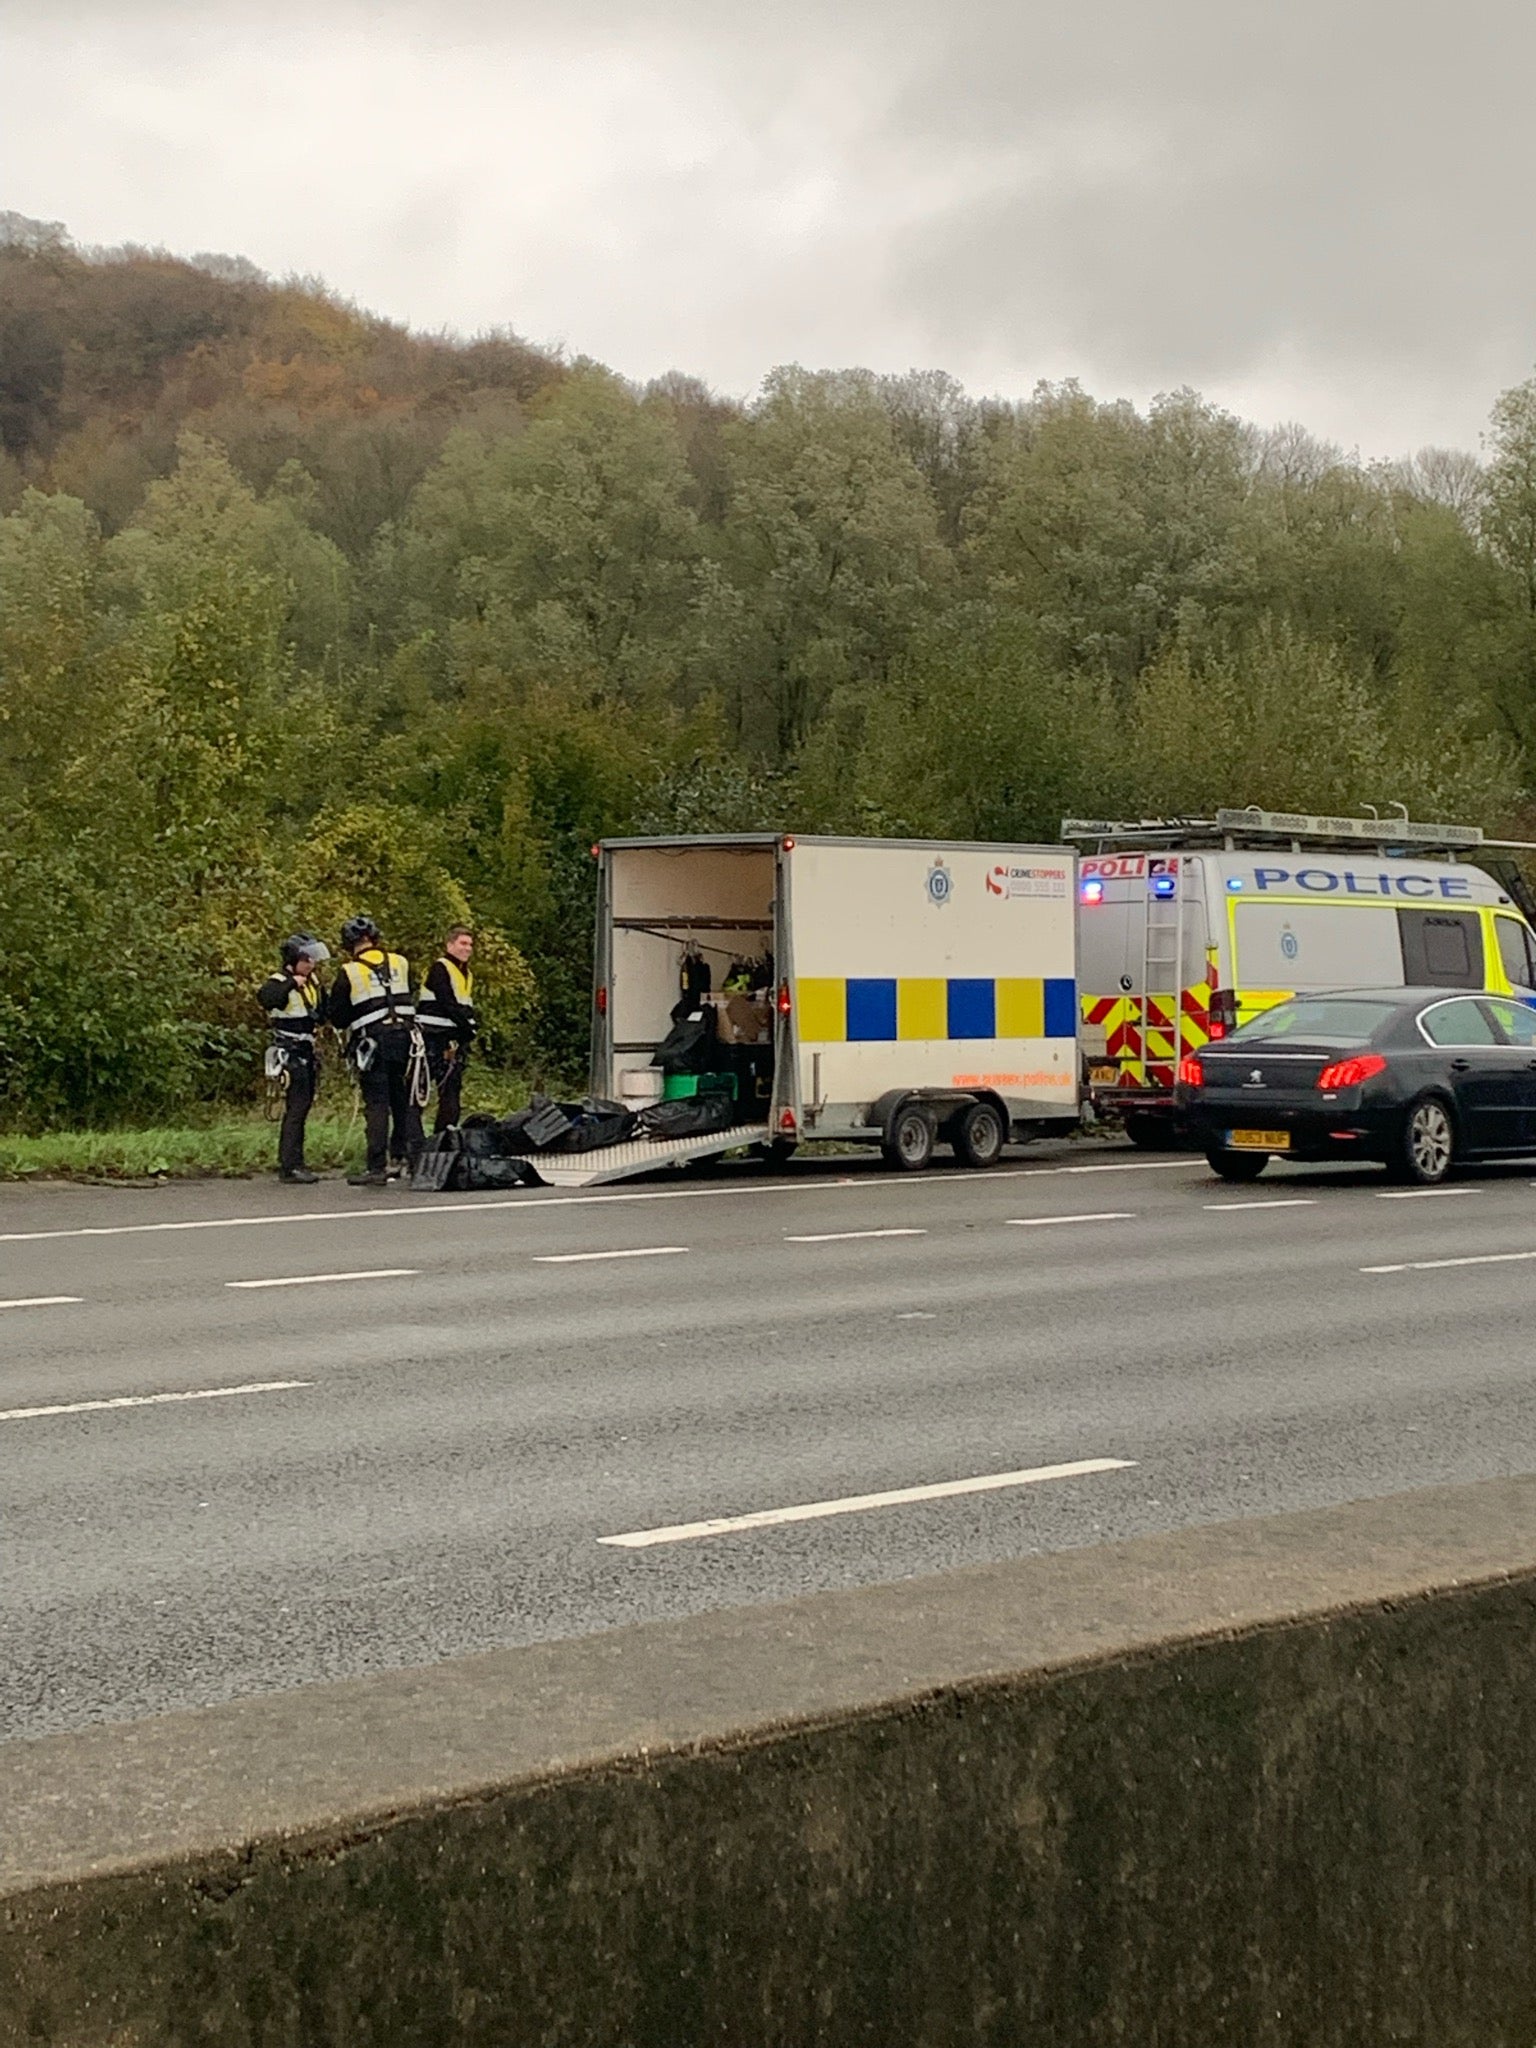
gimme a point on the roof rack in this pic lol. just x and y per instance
(1254, 827)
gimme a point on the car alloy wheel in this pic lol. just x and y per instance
(1429, 1140)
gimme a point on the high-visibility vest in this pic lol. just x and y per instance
(296, 1018)
(430, 1011)
(380, 984)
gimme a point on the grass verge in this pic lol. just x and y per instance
(231, 1147)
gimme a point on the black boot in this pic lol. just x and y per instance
(299, 1175)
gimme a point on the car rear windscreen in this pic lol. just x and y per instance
(1323, 1020)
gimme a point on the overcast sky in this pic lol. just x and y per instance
(1308, 209)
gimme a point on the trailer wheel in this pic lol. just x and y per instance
(908, 1142)
(776, 1152)
(980, 1135)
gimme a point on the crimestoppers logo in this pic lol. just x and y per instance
(997, 881)
(940, 884)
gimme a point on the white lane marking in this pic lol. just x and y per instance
(1420, 1194)
(1435, 1265)
(856, 1503)
(1264, 1202)
(153, 1400)
(644, 1251)
(917, 1315)
(533, 1202)
(42, 1301)
(325, 1279)
(1123, 1166)
(846, 1236)
(1043, 1222)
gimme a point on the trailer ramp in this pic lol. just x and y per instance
(642, 1155)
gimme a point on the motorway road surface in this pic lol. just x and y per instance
(254, 1436)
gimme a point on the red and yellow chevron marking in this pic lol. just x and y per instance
(1139, 1034)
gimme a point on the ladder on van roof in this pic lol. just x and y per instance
(1252, 827)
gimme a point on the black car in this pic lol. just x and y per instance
(1417, 1078)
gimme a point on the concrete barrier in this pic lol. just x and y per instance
(1268, 1785)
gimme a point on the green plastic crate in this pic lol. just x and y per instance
(677, 1086)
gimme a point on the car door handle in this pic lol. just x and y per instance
(1464, 1066)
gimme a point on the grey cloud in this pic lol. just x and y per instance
(1263, 199)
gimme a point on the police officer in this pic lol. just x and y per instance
(370, 1003)
(446, 1012)
(291, 999)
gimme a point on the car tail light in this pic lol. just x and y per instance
(1350, 1073)
(1191, 1073)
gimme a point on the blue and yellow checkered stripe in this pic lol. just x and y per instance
(836, 1011)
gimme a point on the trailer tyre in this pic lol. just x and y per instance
(908, 1142)
(980, 1135)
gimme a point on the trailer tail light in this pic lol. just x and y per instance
(602, 1002)
(1223, 1017)
(784, 1004)
(1191, 1073)
(787, 1122)
(1350, 1073)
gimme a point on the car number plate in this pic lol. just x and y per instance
(1259, 1141)
(1104, 1077)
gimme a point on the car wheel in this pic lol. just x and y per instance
(1235, 1165)
(908, 1142)
(980, 1135)
(1426, 1145)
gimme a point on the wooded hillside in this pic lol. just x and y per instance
(301, 613)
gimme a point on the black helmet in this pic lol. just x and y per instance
(302, 947)
(357, 929)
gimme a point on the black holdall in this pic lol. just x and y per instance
(690, 1116)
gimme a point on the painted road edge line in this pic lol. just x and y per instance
(325, 1279)
(43, 1301)
(1420, 1194)
(857, 1503)
(1436, 1265)
(847, 1236)
(153, 1400)
(642, 1251)
(530, 1201)
(1099, 1216)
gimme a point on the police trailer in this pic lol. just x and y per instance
(900, 993)
(1189, 927)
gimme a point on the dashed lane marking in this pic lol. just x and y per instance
(43, 1301)
(847, 1236)
(328, 1279)
(153, 1400)
(1437, 1265)
(1264, 1202)
(1099, 1216)
(1420, 1194)
(643, 1251)
(858, 1503)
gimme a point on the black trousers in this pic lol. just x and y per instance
(297, 1103)
(391, 1120)
(446, 1059)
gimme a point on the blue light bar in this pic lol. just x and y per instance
(1092, 891)
(1164, 885)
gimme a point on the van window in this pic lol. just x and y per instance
(1517, 951)
(1316, 945)
(1441, 948)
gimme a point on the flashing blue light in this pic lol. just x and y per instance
(1092, 890)
(1234, 883)
(1164, 885)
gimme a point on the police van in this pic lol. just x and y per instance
(1188, 928)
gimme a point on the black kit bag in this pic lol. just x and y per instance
(691, 1116)
(689, 1047)
(596, 1123)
